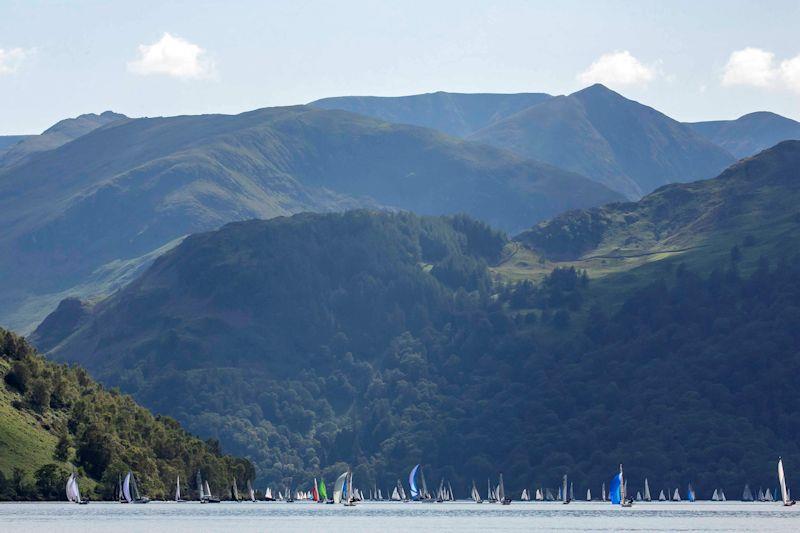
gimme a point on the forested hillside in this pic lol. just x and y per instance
(56, 419)
(378, 341)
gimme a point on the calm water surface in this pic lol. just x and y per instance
(391, 517)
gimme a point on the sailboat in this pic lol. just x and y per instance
(639, 496)
(268, 497)
(235, 491)
(251, 494)
(588, 495)
(73, 491)
(722, 497)
(690, 495)
(782, 481)
(747, 494)
(424, 494)
(676, 496)
(130, 491)
(339, 487)
(501, 492)
(525, 497)
(661, 496)
(571, 491)
(208, 496)
(350, 495)
(491, 497)
(715, 496)
(178, 498)
(768, 496)
(647, 497)
(539, 496)
(603, 497)
(563, 490)
(616, 490)
(412, 484)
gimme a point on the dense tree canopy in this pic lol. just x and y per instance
(100, 433)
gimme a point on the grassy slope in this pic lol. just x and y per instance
(752, 206)
(25, 441)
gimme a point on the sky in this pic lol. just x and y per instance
(693, 60)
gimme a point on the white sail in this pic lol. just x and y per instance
(588, 495)
(395, 495)
(539, 495)
(638, 496)
(661, 496)
(126, 488)
(338, 486)
(676, 496)
(208, 490)
(178, 489)
(722, 496)
(603, 497)
(715, 496)
(782, 481)
(647, 497)
(70, 488)
(269, 492)
(768, 496)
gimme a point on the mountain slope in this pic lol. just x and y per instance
(57, 135)
(134, 186)
(596, 132)
(56, 418)
(752, 205)
(749, 134)
(278, 326)
(379, 341)
(8, 141)
(452, 113)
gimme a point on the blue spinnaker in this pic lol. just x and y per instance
(412, 483)
(615, 489)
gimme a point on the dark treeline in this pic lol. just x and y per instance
(99, 433)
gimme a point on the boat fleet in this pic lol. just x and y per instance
(347, 494)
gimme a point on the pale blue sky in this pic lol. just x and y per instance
(65, 58)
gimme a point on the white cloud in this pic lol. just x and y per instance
(172, 56)
(790, 73)
(757, 68)
(618, 68)
(750, 66)
(10, 59)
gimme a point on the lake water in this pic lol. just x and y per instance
(389, 517)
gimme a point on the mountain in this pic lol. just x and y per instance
(749, 134)
(57, 135)
(381, 340)
(598, 133)
(7, 141)
(56, 419)
(752, 205)
(83, 218)
(456, 114)
(267, 334)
